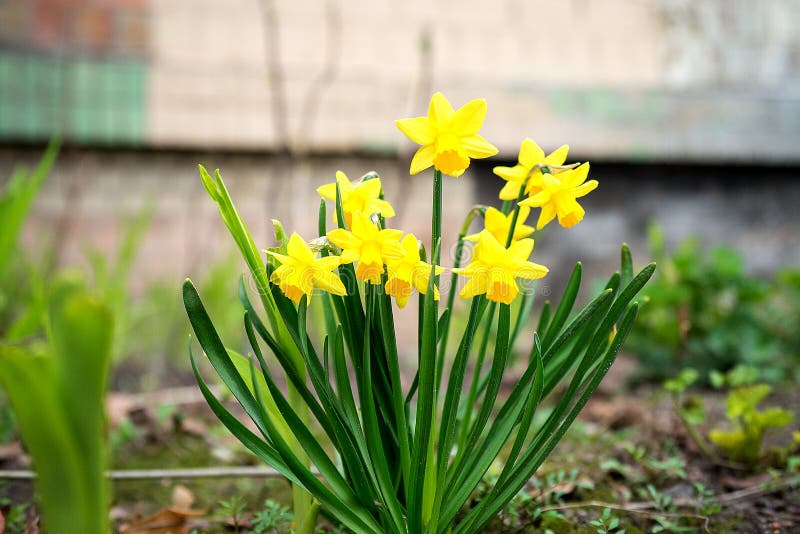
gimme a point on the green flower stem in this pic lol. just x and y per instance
(451, 293)
(436, 218)
(429, 474)
(477, 380)
(515, 217)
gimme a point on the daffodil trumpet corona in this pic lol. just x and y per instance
(323, 380)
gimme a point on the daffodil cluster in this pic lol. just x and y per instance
(363, 240)
(382, 255)
(378, 453)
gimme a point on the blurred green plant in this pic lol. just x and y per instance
(57, 392)
(19, 284)
(703, 311)
(607, 523)
(13, 514)
(112, 275)
(742, 439)
(742, 442)
(158, 313)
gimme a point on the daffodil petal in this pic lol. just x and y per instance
(327, 191)
(469, 117)
(343, 239)
(331, 283)
(537, 200)
(327, 263)
(574, 177)
(548, 214)
(521, 250)
(299, 250)
(280, 257)
(478, 147)
(472, 237)
(557, 156)
(530, 153)
(381, 206)
(531, 271)
(489, 246)
(585, 189)
(345, 186)
(422, 159)
(370, 188)
(440, 112)
(510, 191)
(417, 129)
(476, 285)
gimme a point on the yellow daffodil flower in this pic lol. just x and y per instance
(498, 225)
(409, 272)
(558, 195)
(300, 271)
(494, 269)
(531, 159)
(364, 196)
(370, 246)
(448, 138)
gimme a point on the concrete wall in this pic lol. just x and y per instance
(91, 193)
(666, 79)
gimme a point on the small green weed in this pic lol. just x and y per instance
(607, 523)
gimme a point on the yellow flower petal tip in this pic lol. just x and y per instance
(300, 271)
(449, 138)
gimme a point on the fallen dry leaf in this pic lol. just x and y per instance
(168, 520)
(174, 520)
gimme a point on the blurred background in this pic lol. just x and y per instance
(688, 111)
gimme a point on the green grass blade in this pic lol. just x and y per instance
(450, 411)
(565, 306)
(626, 265)
(425, 408)
(218, 354)
(535, 455)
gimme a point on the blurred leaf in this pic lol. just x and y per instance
(58, 400)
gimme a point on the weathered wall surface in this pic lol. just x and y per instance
(91, 193)
(670, 79)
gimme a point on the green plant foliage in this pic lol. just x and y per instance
(112, 277)
(272, 518)
(57, 395)
(18, 281)
(607, 523)
(386, 459)
(742, 443)
(703, 311)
